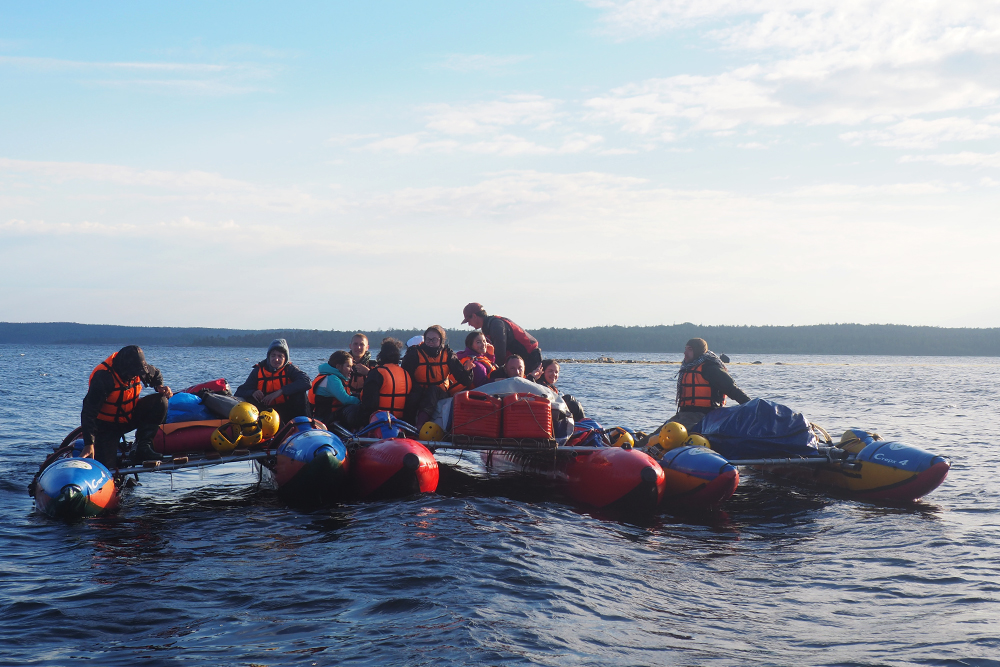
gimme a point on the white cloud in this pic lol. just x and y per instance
(963, 159)
(824, 62)
(481, 117)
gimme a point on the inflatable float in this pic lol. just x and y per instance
(387, 462)
(784, 444)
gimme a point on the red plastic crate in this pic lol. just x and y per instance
(476, 414)
(527, 416)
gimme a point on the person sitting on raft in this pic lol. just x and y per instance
(330, 393)
(506, 336)
(112, 407)
(431, 363)
(514, 368)
(277, 384)
(483, 362)
(549, 377)
(362, 358)
(702, 384)
(387, 386)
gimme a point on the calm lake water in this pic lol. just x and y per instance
(205, 568)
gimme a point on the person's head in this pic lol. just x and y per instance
(129, 362)
(359, 345)
(435, 337)
(277, 354)
(694, 348)
(342, 361)
(476, 341)
(474, 315)
(389, 352)
(514, 366)
(550, 369)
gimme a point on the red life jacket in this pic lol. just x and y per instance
(118, 406)
(396, 386)
(522, 339)
(269, 381)
(326, 402)
(696, 392)
(432, 372)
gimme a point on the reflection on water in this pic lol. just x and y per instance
(213, 569)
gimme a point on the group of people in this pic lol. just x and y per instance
(350, 386)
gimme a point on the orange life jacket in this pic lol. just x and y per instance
(456, 387)
(269, 381)
(696, 392)
(118, 406)
(357, 380)
(396, 386)
(326, 402)
(432, 372)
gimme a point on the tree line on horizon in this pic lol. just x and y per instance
(864, 339)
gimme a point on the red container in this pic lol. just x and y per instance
(476, 414)
(527, 416)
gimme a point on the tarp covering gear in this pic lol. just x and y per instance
(183, 407)
(758, 429)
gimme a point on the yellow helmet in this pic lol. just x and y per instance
(226, 438)
(244, 414)
(252, 438)
(431, 432)
(269, 423)
(620, 437)
(698, 441)
(673, 434)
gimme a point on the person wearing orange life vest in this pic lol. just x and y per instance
(702, 384)
(432, 364)
(483, 362)
(507, 338)
(275, 383)
(112, 407)
(387, 386)
(330, 393)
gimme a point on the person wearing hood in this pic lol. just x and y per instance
(431, 364)
(506, 337)
(703, 384)
(112, 407)
(387, 386)
(277, 384)
(330, 393)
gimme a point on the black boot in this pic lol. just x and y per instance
(144, 444)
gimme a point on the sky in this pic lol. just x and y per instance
(570, 163)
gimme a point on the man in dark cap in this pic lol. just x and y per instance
(275, 383)
(506, 337)
(112, 407)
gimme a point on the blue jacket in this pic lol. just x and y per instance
(334, 389)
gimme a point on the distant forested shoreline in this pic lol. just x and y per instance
(871, 339)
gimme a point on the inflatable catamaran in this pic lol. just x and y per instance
(514, 427)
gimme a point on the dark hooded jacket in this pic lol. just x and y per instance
(129, 362)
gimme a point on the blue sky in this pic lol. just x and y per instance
(363, 165)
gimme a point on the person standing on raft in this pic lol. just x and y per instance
(276, 384)
(112, 407)
(506, 337)
(702, 384)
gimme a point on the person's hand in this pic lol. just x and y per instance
(165, 391)
(535, 374)
(88, 451)
(361, 369)
(258, 396)
(468, 363)
(272, 397)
